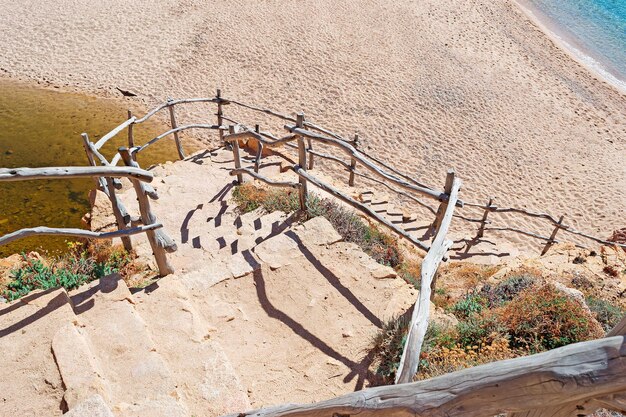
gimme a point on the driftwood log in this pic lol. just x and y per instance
(104, 139)
(421, 311)
(159, 242)
(571, 374)
(616, 402)
(352, 152)
(181, 101)
(175, 131)
(174, 124)
(25, 174)
(51, 231)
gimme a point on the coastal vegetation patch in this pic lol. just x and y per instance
(82, 263)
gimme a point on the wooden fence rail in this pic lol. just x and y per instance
(104, 174)
(88, 234)
(383, 173)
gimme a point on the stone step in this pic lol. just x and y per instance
(94, 406)
(140, 382)
(80, 369)
(203, 374)
(30, 382)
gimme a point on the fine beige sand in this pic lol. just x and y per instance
(429, 85)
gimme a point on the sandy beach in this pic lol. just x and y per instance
(432, 85)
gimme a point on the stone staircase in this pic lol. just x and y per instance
(261, 310)
(147, 354)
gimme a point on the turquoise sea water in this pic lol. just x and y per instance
(593, 30)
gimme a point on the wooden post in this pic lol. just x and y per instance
(483, 221)
(309, 148)
(231, 130)
(100, 184)
(554, 232)
(220, 113)
(179, 146)
(444, 204)
(353, 162)
(131, 135)
(148, 218)
(119, 217)
(108, 187)
(259, 151)
(302, 162)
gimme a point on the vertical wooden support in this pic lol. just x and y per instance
(553, 236)
(179, 146)
(119, 217)
(100, 183)
(147, 218)
(302, 162)
(483, 221)
(259, 151)
(309, 144)
(220, 113)
(131, 135)
(353, 162)
(236, 156)
(444, 204)
(109, 189)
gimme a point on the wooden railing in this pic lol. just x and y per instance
(304, 137)
(105, 176)
(357, 162)
(482, 389)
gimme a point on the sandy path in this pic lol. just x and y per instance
(433, 84)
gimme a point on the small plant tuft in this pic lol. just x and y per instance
(607, 314)
(83, 263)
(388, 345)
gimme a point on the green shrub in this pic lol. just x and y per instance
(471, 304)
(70, 271)
(544, 318)
(249, 198)
(607, 314)
(507, 290)
(480, 329)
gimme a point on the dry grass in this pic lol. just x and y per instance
(545, 318)
(442, 360)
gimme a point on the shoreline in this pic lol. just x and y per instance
(571, 46)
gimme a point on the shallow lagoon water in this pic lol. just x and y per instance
(42, 127)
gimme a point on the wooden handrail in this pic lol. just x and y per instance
(255, 175)
(52, 231)
(179, 129)
(387, 172)
(104, 139)
(47, 173)
(361, 207)
(350, 150)
(421, 311)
